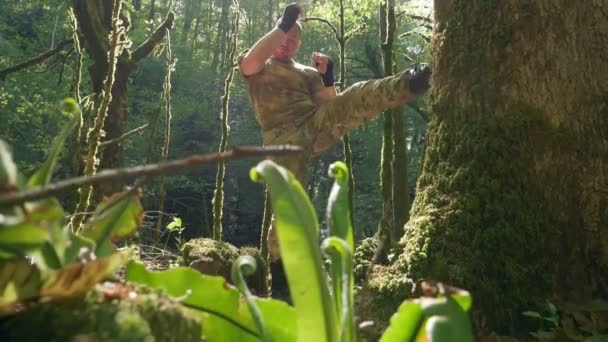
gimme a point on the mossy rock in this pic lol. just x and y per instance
(213, 257)
(379, 298)
(111, 312)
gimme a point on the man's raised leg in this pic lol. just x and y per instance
(363, 101)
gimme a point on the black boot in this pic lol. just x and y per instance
(279, 286)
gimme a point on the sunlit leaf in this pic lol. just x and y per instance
(404, 324)
(340, 226)
(117, 216)
(224, 314)
(78, 278)
(19, 280)
(297, 232)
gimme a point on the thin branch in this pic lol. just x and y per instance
(146, 47)
(355, 31)
(36, 60)
(416, 17)
(123, 137)
(149, 170)
(326, 22)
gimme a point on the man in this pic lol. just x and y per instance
(298, 105)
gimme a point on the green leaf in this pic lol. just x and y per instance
(117, 216)
(340, 226)
(404, 324)
(19, 239)
(43, 175)
(447, 321)
(297, 232)
(78, 278)
(342, 275)
(338, 209)
(39, 234)
(19, 280)
(224, 316)
(246, 265)
(175, 224)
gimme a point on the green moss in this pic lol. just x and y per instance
(379, 298)
(145, 315)
(475, 223)
(213, 257)
(364, 252)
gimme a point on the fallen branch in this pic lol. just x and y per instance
(147, 171)
(123, 137)
(33, 61)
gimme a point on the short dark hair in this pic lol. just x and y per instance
(298, 24)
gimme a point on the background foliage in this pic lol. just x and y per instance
(200, 42)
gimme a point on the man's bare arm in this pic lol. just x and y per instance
(254, 60)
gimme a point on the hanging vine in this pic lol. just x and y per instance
(167, 136)
(76, 147)
(94, 134)
(218, 196)
(385, 230)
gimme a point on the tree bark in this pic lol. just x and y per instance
(511, 201)
(94, 19)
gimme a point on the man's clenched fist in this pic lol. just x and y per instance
(290, 16)
(325, 66)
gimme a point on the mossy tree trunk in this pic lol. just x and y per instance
(511, 202)
(94, 21)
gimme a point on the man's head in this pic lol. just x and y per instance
(290, 46)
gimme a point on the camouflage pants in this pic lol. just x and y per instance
(330, 122)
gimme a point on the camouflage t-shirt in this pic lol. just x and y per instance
(282, 93)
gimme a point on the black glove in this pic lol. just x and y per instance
(419, 80)
(328, 76)
(290, 15)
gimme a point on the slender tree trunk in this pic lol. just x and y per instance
(386, 235)
(218, 197)
(512, 200)
(401, 194)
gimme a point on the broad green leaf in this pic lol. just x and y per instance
(39, 234)
(43, 175)
(8, 169)
(19, 280)
(447, 321)
(117, 216)
(78, 278)
(224, 315)
(297, 232)
(340, 226)
(405, 323)
(17, 240)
